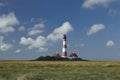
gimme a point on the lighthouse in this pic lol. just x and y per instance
(64, 48)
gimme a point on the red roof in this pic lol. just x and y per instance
(73, 55)
(56, 55)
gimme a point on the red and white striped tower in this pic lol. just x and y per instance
(64, 49)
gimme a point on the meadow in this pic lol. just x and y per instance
(59, 70)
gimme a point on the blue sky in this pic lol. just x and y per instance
(29, 29)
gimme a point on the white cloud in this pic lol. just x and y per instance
(2, 4)
(22, 28)
(43, 49)
(36, 20)
(34, 32)
(26, 41)
(110, 43)
(1, 39)
(93, 3)
(40, 42)
(40, 25)
(7, 22)
(114, 12)
(95, 28)
(58, 32)
(82, 45)
(36, 29)
(4, 46)
(18, 51)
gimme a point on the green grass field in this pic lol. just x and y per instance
(59, 70)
